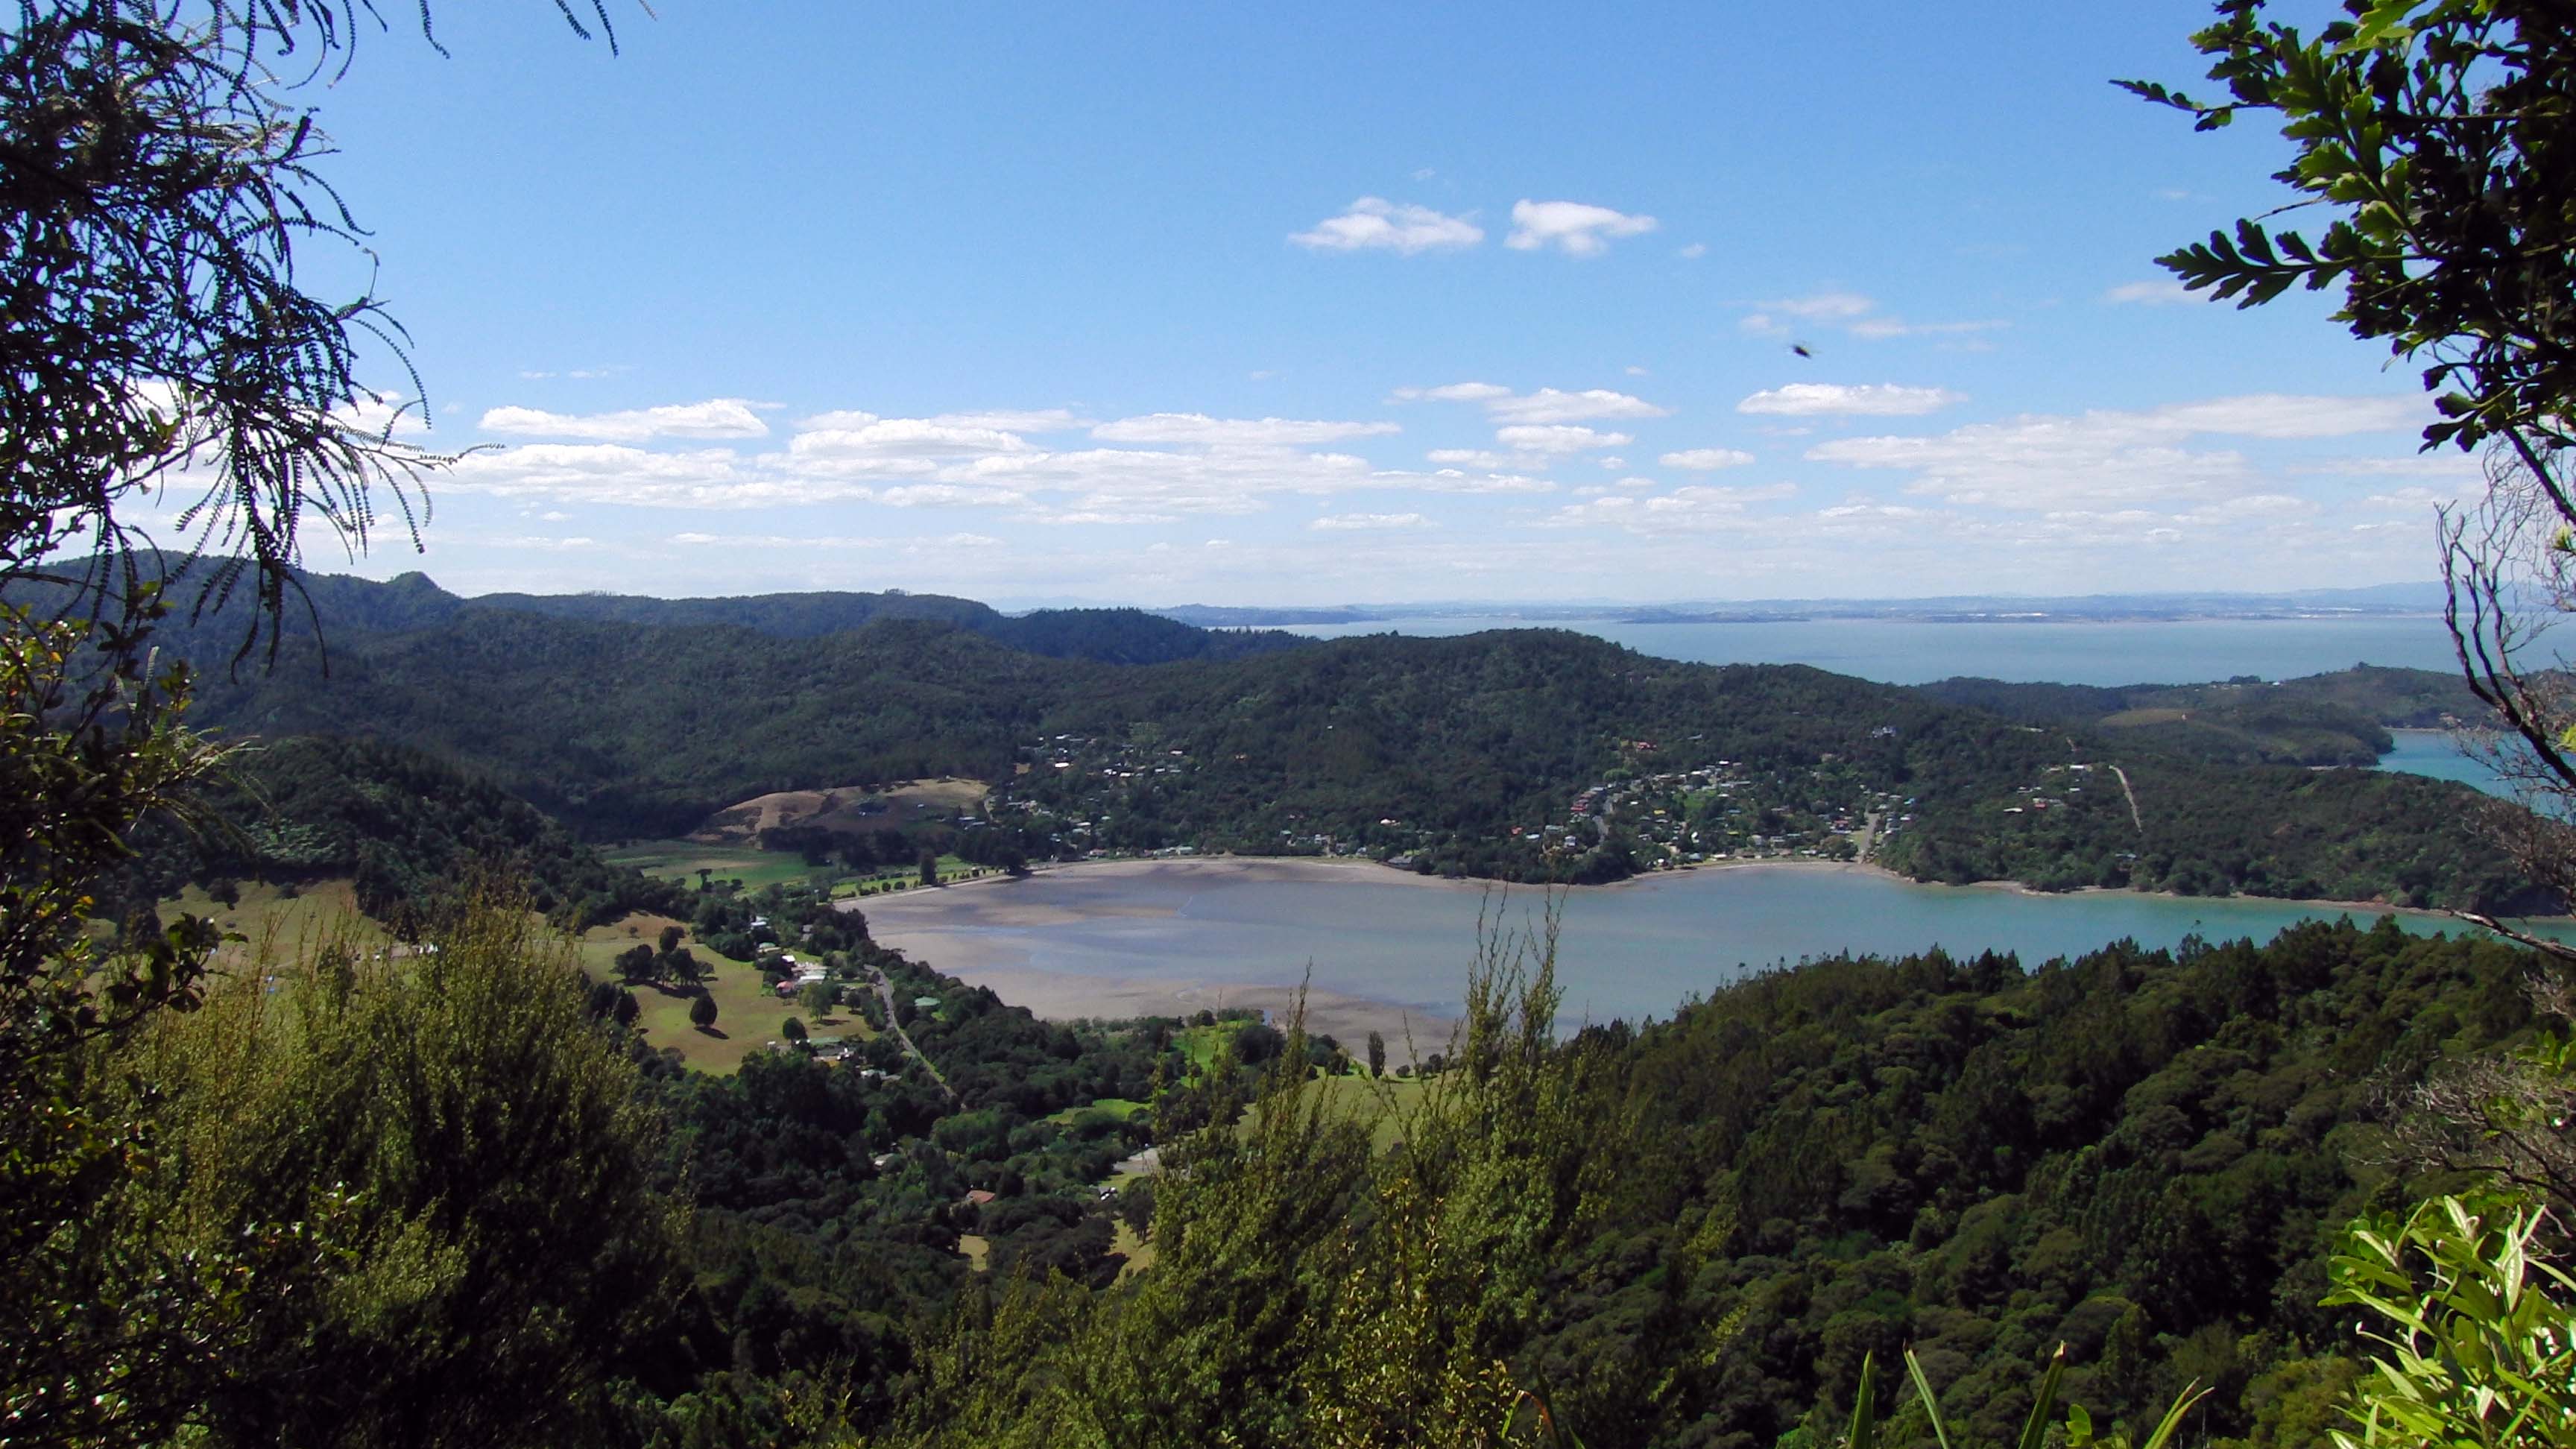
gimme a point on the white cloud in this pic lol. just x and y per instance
(2447, 465)
(383, 416)
(1453, 392)
(1851, 312)
(1101, 516)
(1823, 306)
(1571, 227)
(906, 438)
(948, 495)
(773, 541)
(1558, 439)
(724, 417)
(1044, 420)
(2413, 500)
(2284, 415)
(2052, 462)
(1636, 371)
(1199, 428)
(1696, 507)
(612, 473)
(1548, 405)
(1878, 399)
(1706, 460)
(1369, 522)
(578, 373)
(2160, 292)
(1376, 224)
(1454, 480)
(1693, 252)
(1878, 327)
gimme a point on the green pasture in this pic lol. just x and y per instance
(1116, 1109)
(681, 860)
(1382, 1105)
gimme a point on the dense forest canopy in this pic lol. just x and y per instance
(1468, 755)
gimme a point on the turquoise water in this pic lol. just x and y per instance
(2434, 753)
(1912, 651)
(1631, 951)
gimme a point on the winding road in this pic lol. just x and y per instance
(885, 995)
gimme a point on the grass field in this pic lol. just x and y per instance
(1116, 1109)
(681, 860)
(1123, 1239)
(1380, 1105)
(273, 920)
(749, 1013)
(1200, 1043)
(951, 870)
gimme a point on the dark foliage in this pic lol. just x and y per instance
(412, 831)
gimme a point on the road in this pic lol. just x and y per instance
(885, 995)
(2135, 818)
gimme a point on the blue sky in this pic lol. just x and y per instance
(1160, 304)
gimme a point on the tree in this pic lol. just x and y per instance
(818, 997)
(670, 939)
(398, 1278)
(793, 1029)
(2438, 138)
(156, 179)
(702, 1012)
(1377, 1054)
(930, 868)
(2472, 1315)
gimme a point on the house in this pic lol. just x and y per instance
(978, 1197)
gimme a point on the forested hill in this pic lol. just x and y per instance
(1111, 636)
(1707, 1224)
(2342, 718)
(1528, 754)
(411, 832)
(348, 606)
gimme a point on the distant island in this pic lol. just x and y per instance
(2383, 600)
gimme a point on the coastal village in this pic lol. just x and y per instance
(1097, 797)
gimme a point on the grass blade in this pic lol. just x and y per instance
(1931, 1406)
(2034, 1430)
(1864, 1419)
(2192, 1393)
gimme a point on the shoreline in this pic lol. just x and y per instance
(1309, 867)
(977, 932)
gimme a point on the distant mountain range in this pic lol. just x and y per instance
(2397, 599)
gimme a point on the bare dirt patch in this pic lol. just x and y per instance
(850, 808)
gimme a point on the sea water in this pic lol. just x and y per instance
(1634, 950)
(1918, 651)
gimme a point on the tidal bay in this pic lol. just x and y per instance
(1382, 948)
